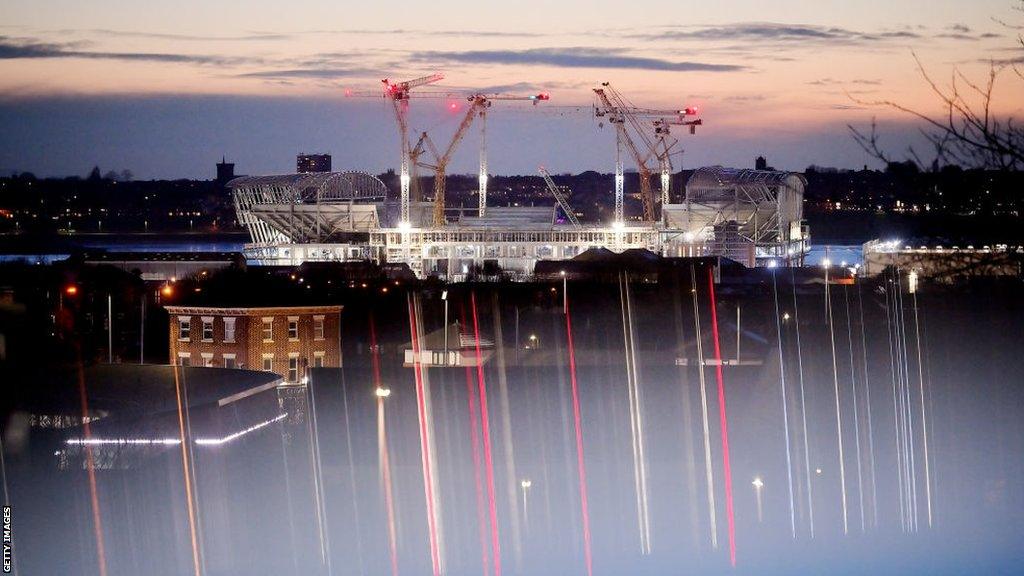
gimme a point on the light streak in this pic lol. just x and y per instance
(382, 450)
(723, 421)
(635, 417)
(318, 480)
(475, 441)
(97, 521)
(908, 406)
(187, 475)
(236, 435)
(428, 484)
(709, 472)
(835, 377)
(485, 423)
(856, 415)
(785, 410)
(803, 405)
(897, 428)
(580, 466)
(867, 401)
(924, 421)
(172, 441)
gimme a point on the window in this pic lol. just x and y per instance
(293, 369)
(293, 328)
(207, 329)
(268, 362)
(268, 329)
(229, 329)
(184, 327)
(229, 361)
(184, 359)
(207, 359)
(318, 359)
(318, 327)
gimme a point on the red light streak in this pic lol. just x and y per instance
(474, 439)
(428, 487)
(724, 422)
(486, 426)
(97, 522)
(580, 466)
(187, 473)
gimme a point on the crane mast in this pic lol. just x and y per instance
(612, 106)
(398, 93)
(624, 116)
(560, 198)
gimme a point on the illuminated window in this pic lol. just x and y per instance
(184, 328)
(229, 329)
(318, 327)
(268, 329)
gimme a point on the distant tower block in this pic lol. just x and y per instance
(311, 163)
(760, 163)
(225, 171)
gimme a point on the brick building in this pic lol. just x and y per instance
(284, 340)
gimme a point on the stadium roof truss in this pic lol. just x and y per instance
(299, 208)
(762, 209)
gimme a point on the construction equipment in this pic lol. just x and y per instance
(560, 198)
(665, 145)
(478, 105)
(398, 94)
(624, 116)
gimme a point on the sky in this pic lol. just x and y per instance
(166, 88)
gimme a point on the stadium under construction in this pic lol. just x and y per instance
(751, 216)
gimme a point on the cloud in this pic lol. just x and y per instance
(14, 48)
(451, 33)
(572, 58)
(776, 33)
(308, 73)
(254, 36)
(834, 82)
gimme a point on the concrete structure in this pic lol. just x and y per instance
(283, 340)
(310, 163)
(944, 264)
(454, 347)
(749, 216)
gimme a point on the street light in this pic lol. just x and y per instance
(565, 292)
(444, 297)
(758, 486)
(533, 341)
(525, 484)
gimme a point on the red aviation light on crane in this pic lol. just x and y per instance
(690, 111)
(540, 97)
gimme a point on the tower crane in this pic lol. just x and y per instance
(398, 94)
(624, 116)
(560, 198)
(478, 105)
(665, 143)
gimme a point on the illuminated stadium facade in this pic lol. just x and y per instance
(751, 216)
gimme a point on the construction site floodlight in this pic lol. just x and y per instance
(382, 392)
